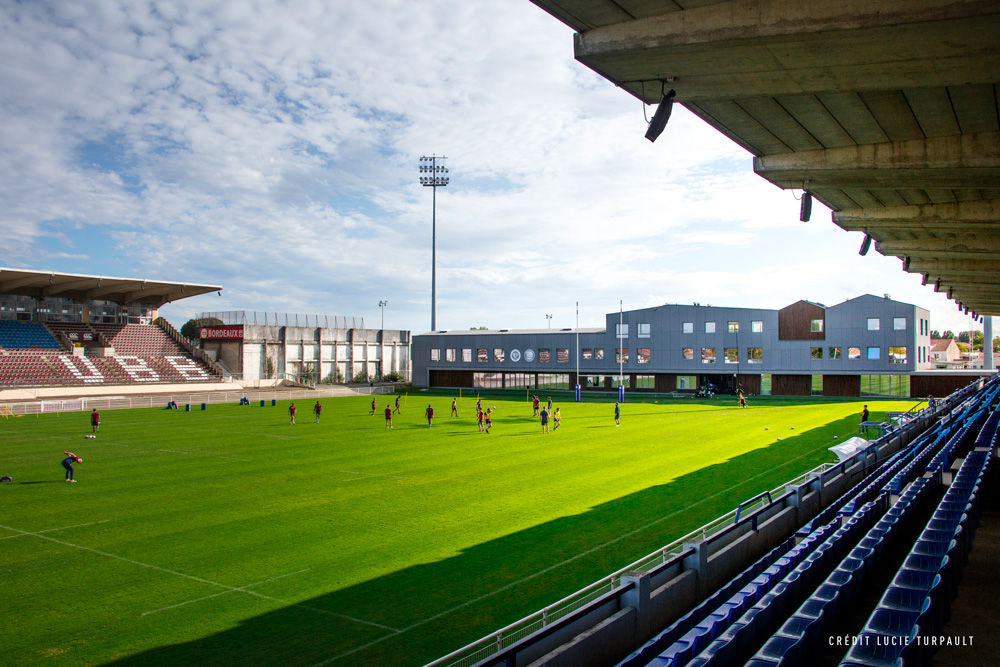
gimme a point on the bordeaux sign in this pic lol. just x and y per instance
(222, 333)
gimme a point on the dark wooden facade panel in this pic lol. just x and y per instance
(794, 321)
(842, 385)
(791, 385)
(938, 386)
(440, 378)
(666, 382)
(751, 384)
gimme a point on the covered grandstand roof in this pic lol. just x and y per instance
(44, 284)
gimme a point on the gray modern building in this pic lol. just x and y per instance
(864, 346)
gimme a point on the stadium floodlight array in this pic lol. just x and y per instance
(435, 178)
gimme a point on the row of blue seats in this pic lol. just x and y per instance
(973, 424)
(23, 335)
(946, 436)
(705, 608)
(815, 620)
(710, 618)
(874, 483)
(737, 642)
(918, 601)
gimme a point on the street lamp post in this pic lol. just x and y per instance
(434, 177)
(549, 319)
(381, 360)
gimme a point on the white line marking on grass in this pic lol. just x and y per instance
(209, 597)
(199, 579)
(213, 456)
(548, 569)
(51, 530)
(350, 472)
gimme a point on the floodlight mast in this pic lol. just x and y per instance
(434, 176)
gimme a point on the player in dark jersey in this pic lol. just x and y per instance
(291, 414)
(318, 410)
(430, 415)
(68, 462)
(95, 421)
(388, 416)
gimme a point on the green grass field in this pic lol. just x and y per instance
(229, 537)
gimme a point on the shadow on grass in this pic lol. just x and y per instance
(428, 610)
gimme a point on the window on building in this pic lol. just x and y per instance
(645, 381)
(553, 381)
(757, 326)
(897, 355)
(854, 353)
(755, 355)
(518, 380)
(435, 354)
(874, 353)
(588, 353)
(643, 330)
(687, 381)
(621, 355)
(498, 354)
(816, 326)
(708, 355)
(483, 355)
(835, 353)
(642, 355)
(689, 353)
(816, 352)
(731, 355)
(598, 353)
(449, 354)
(899, 323)
(544, 356)
(709, 327)
(487, 380)
(873, 324)
(562, 355)
(734, 327)
(688, 327)
(621, 331)
(467, 355)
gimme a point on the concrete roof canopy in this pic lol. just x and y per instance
(885, 111)
(81, 288)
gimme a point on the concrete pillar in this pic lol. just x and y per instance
(638, 598)
(698, 561)
(988, 343)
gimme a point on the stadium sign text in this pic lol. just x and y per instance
(224, 333)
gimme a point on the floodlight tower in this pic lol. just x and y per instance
(434, 176)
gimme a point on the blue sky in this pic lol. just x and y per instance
(274, 149)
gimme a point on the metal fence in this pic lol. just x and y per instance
(196, 398)
(234, 317)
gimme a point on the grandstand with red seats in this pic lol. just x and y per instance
(73, 330)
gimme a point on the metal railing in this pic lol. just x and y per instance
(194, 398)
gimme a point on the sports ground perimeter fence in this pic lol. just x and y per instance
(15, 409)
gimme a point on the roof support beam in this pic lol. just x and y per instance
(745, 48)
(967, 217)
(970, 161)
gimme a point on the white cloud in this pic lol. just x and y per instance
(272, 148)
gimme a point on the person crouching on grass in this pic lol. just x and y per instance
(68, 462)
